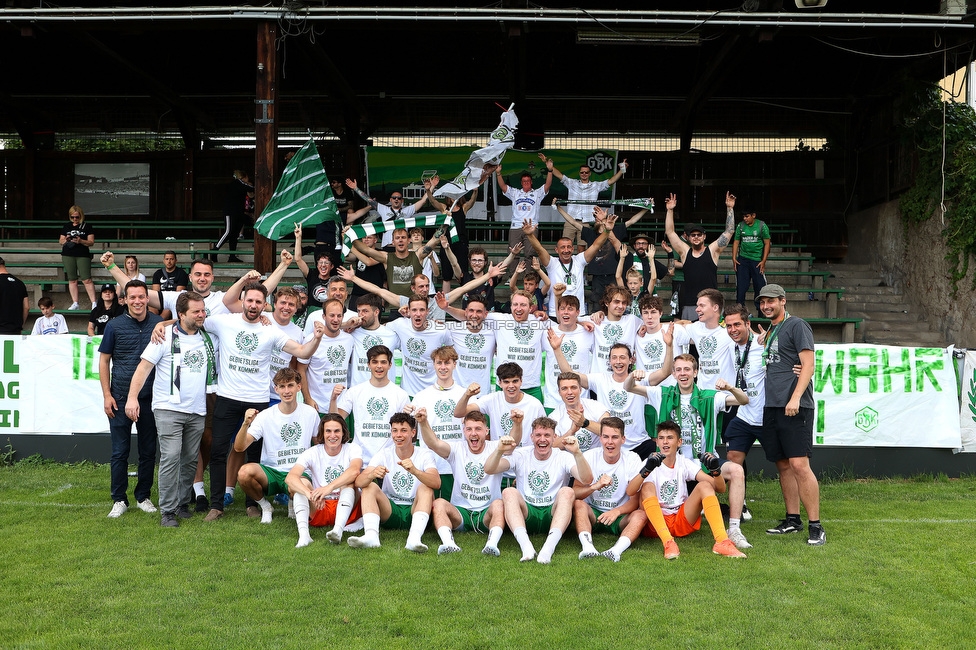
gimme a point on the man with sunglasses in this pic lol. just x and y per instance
(582, 190)
(396, 209)
(699, 262)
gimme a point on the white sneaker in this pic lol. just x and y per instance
(94, 304)
(746, 514)
(146, 506)
(739, 539)
(118, 510)
(74, 307)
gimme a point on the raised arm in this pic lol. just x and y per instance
(429, 186)
(494, 271)
(680, 247)
(723, 240)
(354, 186)
(594, 248)
(575, 225)
(232, 298)
(302, 266)
(470, 202)
(244, 439)
(622, 258)
(435, 444)
(634, 219)
(451, 257)
(271, 283)
(502, 185)
(362, 249)
(529, 229)
(305, 351)
(495, 464)
(621, 170)
(462, 408)
(582, 471)
(350, 276)
(549, 166)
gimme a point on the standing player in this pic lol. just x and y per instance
(418, 335)
(518, 339)
(499, 405)
(525, 206)
(329, 366)
(369, 333)
(711, 339)
(576, 347)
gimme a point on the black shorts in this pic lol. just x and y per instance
(740, 435)
(787, 437)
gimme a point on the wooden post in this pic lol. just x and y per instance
(265, 137)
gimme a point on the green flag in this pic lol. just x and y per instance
(303, 196)
(375, 227)
(646, 204)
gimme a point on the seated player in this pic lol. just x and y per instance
(286, 429)
(322, 482)
(475, 503)
(671, 511)
(542, 500)
(605, 503)
(409, 476)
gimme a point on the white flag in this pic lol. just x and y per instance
(483, 162)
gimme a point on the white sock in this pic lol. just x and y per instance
(545, 553)
(347, 499)
(522, 537)
(198, 489)
(733, 524)
(444, 532)
(371, 524)
(494, 534)
(229, 489)
(622, 545)
(418, 523)
(586, 541)
(267, 510)
(301, 519)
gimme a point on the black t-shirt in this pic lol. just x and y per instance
(318, 289)
(100, 316)
(12, 294)
(605, 262)
(169, 282)
(70, 248)
(375, 274)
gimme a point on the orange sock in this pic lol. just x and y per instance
(713, 514)
(653, 509)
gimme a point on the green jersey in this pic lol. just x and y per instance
(751, 239)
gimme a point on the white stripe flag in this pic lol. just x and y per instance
(483, 162)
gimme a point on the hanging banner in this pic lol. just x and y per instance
(885, 396)
(967, 408)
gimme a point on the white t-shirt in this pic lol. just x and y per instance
(418, 367)
(521, 343)
(650, 351)
(627, 467)
(245, 356)
(285, 436)
(279, 358)
(525, 205)
(213, 302)
(592, 411)
(364, 340)
(387, 213)
(475, 352)
(499, 414)
(191, 395)
(440, 405)
(473, 489)
(580, 191)
(577, 346)
(609, 333)
(328, 367)
(53, 325)
(569, 274)
(399, 484)
(540, 480)
(324, 468)
(627, 406)
(371, 409)
(755, 371)
(715, 357)
(672, 482)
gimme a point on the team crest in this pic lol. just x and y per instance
(707, 346)
(474, 342)
(607, 491)
(194, 360)
(416, 347)
(376, 407)
(669, 491)
(599, 162)
(538, 482)
(207, 310)
(291, 433)
(444, 408)
(654, 349)
(475, 472)
(522, 334)
(246, 342)
(583, 439)
(336, 354)
(402, 483)
(331, 473)
(613, 333)
(618, 399)
(502, 134)
(370, 341)
(506, 423)
(568, 349)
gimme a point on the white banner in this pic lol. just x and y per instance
(866, 395)
(967, 408)
(885, 396)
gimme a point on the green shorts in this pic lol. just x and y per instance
(534, 392)
(538, 520)
(77, 268)
(276, 481)
(447, 486)
(400, 517)
(602, 528)
(473, 521)
(508, 481)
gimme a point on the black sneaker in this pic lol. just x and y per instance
(711, 462)
(653, 462)
(169, 520)
(786, 526)
(183, 512)
(818, 537)
(203, 504)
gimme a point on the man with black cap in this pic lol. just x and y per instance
(14, 303)
(789, 411)
(699, 263)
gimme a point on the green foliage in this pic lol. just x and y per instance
(120, 144)
(8, 454)
(927, 118)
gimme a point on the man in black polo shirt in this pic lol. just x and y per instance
(14, 303)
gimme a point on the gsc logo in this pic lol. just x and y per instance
(599, 162)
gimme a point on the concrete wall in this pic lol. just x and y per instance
(914, 262)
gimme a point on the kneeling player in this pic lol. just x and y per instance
(323, 481)
(605, 503)
(287, 429)
(409, 476)
(475, 503)
(671, 510)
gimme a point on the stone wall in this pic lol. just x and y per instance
(917, 267)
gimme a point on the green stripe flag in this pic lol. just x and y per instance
(646, 204)
(303, 196)
(352, 233)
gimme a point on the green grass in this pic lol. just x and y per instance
(897, 571)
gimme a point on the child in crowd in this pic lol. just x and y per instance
(49, 322)
(634, 281)
(536, 282)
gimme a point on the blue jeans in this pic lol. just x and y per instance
(120, 428)
(746, 272)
